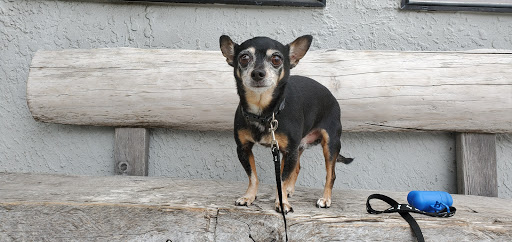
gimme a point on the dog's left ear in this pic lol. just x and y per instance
(298, 49)
(227, 46)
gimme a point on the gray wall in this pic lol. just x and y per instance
(387, 161)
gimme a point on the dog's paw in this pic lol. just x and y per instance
(287, 207)
(323, 203)
(245, 201)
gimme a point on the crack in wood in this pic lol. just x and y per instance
(398, 127)
(211, 226)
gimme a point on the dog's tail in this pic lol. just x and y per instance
(344, 160)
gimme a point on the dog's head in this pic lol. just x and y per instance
(262, 63)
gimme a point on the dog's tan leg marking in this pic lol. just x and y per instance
(293, 177)
(330, 162)
(250, 195)
(282, 140)
(289, 182)
(284, 185)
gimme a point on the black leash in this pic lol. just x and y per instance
(404, 210)
(277, 164)
(274, 146)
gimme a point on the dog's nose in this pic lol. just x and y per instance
(258, 74)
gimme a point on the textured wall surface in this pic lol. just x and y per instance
(392, 161)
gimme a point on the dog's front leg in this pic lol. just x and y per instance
(247, 159)
(288, 168)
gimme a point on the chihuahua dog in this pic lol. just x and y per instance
(307, 112)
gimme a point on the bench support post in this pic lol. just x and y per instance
(131, 151)
(476, 164)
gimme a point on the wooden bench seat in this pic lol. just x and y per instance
(130, 208)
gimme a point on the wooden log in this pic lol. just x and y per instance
(185, 89)
(49, 207)
(476, 164)
(131, 151)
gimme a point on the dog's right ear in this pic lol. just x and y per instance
(227, 46)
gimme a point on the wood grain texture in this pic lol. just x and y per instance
(185, 89)
(123, 208)
(131, 151)
(476, 164)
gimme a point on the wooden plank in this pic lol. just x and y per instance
(131, 151)
(185, 89)
(476, 164)
(125, 208)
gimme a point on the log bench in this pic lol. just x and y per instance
(135, 208)
(138, 89)
(379, 91)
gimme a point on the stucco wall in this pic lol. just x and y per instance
(390, 161)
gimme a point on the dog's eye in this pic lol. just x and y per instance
(244, 59)
(276, 60)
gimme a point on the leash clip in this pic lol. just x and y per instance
(273, 127)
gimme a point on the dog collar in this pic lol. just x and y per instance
(264, 120)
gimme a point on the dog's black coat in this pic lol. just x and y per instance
(303, 112)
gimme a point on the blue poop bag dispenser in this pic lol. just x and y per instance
(430, 201)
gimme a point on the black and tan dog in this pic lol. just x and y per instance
(307, 111)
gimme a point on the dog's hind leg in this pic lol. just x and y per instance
(331, 148)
